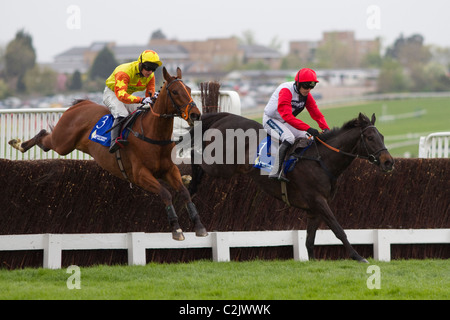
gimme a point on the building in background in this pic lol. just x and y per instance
(342, 48)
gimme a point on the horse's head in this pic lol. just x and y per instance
(372, 144)
(180, 95)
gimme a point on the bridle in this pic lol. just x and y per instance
(371, 157)
(182, 111)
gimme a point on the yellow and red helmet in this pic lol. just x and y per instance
(150, 56)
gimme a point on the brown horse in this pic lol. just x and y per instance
(146, 158)
(313, 180)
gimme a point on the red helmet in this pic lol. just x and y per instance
(306, 75)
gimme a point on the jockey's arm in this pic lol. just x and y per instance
(120, 89)
(285, 111)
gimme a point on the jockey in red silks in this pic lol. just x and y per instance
(279, 120)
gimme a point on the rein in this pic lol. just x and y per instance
(150, 140)
(370, 157)
(181, 113)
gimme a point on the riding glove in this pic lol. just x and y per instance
(148, 100)
(313, 132)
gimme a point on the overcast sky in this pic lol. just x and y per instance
(58, 25)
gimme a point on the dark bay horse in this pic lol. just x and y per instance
(143, 162)
(313, 180)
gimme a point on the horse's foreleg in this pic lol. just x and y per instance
(148, 182)
(42, 139)
(320, 207)
(312, 225)
(174, 179)
(177, 232)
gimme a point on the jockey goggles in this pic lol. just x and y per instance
(150, 66)
(308, 85)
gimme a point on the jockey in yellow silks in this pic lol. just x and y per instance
(126, 79)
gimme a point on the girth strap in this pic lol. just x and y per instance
(122, 168)
(149, 140)
(284, 194)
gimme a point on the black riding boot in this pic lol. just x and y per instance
(116, 143)
(279, 175)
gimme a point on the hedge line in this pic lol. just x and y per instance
(74, 196)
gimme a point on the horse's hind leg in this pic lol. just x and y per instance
(42, 139)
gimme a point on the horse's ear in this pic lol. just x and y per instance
(360, 117)
(166, 74)
(373, 119)
(178, 73)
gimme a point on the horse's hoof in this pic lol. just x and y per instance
(363, 261)
(186, 180)
(16, 144)
(201, 232)
(178, 235)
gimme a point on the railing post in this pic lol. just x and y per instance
(136, 249)
(52, 251)
(220, 247)
(381, 245)
(300, 251)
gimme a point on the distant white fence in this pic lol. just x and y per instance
(435, 145)
(26, 123)
(220, 242)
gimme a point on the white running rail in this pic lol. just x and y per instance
(220, 242)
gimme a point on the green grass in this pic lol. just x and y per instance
(437, 118)
(285, 280)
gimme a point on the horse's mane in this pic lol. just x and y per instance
(354, 123)
(77, 101)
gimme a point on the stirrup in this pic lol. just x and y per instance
(279, 176)
(118, 144)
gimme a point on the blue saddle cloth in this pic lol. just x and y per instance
(264, 159)
(99, 134)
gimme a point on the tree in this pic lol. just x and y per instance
(41, 80)
(103, 65)
(248, 38)
(76, 83)
(158, 35)
(20, 57)
(3, 89)
(392, 77)
(409, 51)
(334, 53)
